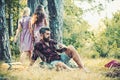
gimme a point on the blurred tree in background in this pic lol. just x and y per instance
(5, 52)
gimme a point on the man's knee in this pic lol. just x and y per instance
(59, 64)
(70, 47)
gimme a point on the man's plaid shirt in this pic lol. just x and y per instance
(45, 52)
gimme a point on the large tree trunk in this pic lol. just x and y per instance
(10, 25)
(4, 37)
(10, 19)
(32, 5)
(55, 8)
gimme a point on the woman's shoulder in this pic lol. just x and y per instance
(24, 19)
(27, 17)
(20, 20)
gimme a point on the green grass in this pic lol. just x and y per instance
(96, 67)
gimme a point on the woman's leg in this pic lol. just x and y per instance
(25, 57)
(29, 54)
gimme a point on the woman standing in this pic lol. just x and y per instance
(26, 43)
(38, 20)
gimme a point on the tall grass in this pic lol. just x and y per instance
(96, 67)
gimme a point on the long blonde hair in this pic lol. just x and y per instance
(26, 11)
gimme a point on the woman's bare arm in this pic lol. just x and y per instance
(17, 32)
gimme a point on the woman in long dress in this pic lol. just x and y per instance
(26, 43)
(38, 20)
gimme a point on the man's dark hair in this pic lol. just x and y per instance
(43, 29)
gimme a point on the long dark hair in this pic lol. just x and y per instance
(39, 13)
(39, 8)
(39, 17)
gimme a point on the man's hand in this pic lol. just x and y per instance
(62, 45)
(61, 48)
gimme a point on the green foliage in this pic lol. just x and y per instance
(73, 30)
(113, 29)
(107, 43)
(15, 52)
(113, 33)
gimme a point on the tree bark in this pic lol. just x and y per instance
(10, 19)
(10, 25)
(5, 53)
(55, 8)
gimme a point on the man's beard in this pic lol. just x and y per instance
(46, 39)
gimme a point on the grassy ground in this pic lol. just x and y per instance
(96, 67)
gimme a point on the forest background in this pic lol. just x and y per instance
(101, 42)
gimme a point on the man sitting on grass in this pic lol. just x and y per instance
(46, 49)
